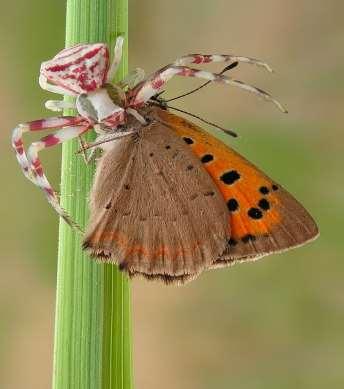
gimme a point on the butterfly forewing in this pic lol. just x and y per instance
(264, 218)
(154, 209)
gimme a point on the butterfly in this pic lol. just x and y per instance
(169, 200)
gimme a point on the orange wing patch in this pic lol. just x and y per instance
(249, 194)
(264, 218)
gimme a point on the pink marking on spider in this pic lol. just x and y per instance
(91, 62)
(92, 68)
(86, 85)
(62, 67)
(115, 119)
(207, 58)
(80, 69)
(186, 72)
(37, 167)
(20, 150)
(158, 83)
(49, 191)
(197, 59)
(18, 145)
(50, 140)
(37, 125)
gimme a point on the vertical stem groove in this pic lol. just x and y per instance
(92, 324)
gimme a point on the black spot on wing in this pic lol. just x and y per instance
(232, 205)
(232, 242)
(264, 190)
(248, 238)
(187, 140)
(255, 213)
(264, 204)
(207, 158)
(230, 177)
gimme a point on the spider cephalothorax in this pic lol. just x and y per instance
(85, 72)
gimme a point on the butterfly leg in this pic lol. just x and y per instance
(88, 156)
(104, 139)
(209, 58)
(145, 90)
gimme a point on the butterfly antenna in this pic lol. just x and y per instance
(228, 67)
(225, 130)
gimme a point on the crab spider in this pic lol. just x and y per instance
(84, 72)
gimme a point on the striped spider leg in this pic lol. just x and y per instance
(81, 71)
(70, 127)
(153, 84)
(30, 163)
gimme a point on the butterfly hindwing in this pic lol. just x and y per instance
(264, 218)
(154, 210)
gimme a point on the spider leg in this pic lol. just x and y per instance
(38, 125)
(41, 180)
(148, 88)
(59, 105)
(208, 58)
(132, 79)
(116, 59)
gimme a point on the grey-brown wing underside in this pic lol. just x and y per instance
(155, 211)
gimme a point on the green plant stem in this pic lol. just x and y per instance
(92, 327)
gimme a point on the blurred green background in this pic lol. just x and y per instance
(277, 323)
